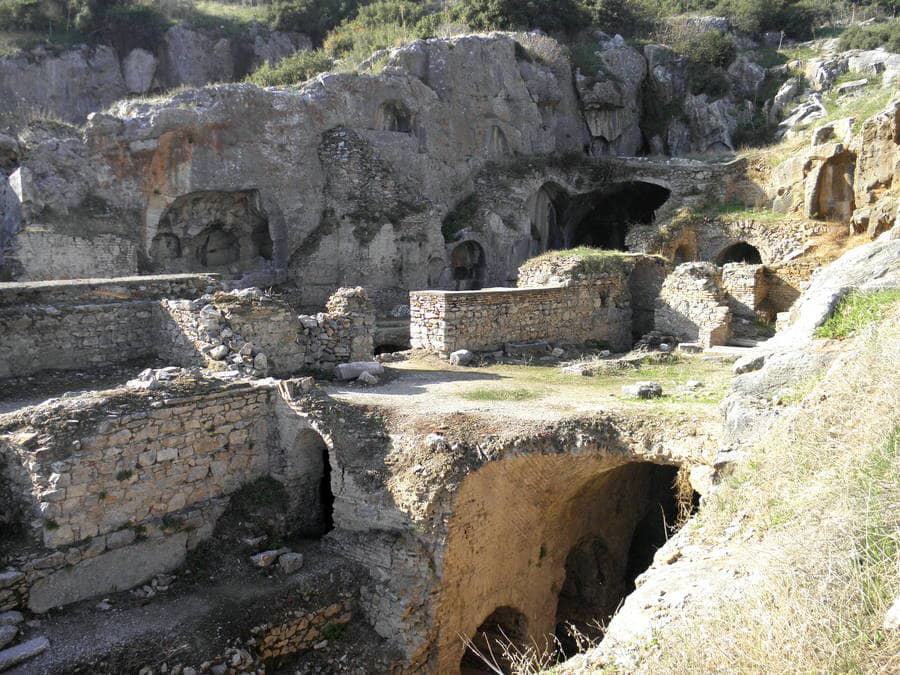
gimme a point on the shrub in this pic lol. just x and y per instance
(548, 15)
(885, 35)
(383, 24)
(313, 17)
(626, 17)
(293, 69)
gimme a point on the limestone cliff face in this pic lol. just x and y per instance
(350, 174)
(74, 83)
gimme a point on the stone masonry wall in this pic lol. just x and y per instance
(692, 305)
(117, 488)
(746, 288)
(85, 291)
(246, 331)
(445, 321)
(42, 337)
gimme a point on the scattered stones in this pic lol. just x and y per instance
(352, 370)
(219, 353)
(268, 558)
(644, 390)
(461, 357)
(22, 652)
(289, 563)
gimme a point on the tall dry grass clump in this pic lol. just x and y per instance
(820, 504)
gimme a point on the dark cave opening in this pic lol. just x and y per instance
(485, 651)
(326, 495)
(468, 262)
(741, 252)
(602, 219)
(597, 581)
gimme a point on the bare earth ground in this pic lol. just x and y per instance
(425, 386)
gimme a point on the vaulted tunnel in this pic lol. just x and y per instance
(599, 219)
(560, 538)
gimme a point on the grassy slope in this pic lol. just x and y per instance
(818, 508)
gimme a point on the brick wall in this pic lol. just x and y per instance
(746, 288)
(444, 321)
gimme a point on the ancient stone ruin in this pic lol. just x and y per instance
(350, 373)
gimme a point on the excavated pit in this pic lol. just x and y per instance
(541, 545)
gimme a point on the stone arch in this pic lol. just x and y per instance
(485, 647)
(495, 143)
(683, 253)
(520, 519)
(740, 252)
(212, 231)
(394, 116)
(467, 260)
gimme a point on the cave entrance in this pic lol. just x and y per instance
(603, 218)
(467, 261)
(390, 348)
(741, 252)
(545, 208)
(487, 650)
(597, 579)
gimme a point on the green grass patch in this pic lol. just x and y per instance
(294, 69)
(857, 311)
(501, 394)
(735, 211)
(583, 260)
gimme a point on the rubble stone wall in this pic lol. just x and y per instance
(104, 331)
(44, 337)
(692, 305)
(119, 490)
(445, 321)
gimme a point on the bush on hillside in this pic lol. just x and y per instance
(383, 24)
(625, 17)
(312, 17)
(293, 69)
(548, 15)
(885, 35)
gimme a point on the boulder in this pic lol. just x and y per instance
(367, 378)
(7, 634)
(643, 390)
(746, 77)
(268, 558)
(191, 58)
(138, 69)
(352, 371)
(892, 616)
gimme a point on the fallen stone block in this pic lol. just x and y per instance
(268, 558)
(22, 652)
(643, 390)
(109, 572)
(461, 357)
(351, 371)
(367, 378)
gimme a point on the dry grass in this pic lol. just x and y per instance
(822, 501)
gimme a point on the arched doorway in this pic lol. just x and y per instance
(505, 629)
(741, 252)
(308, 481)
(467, 261)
